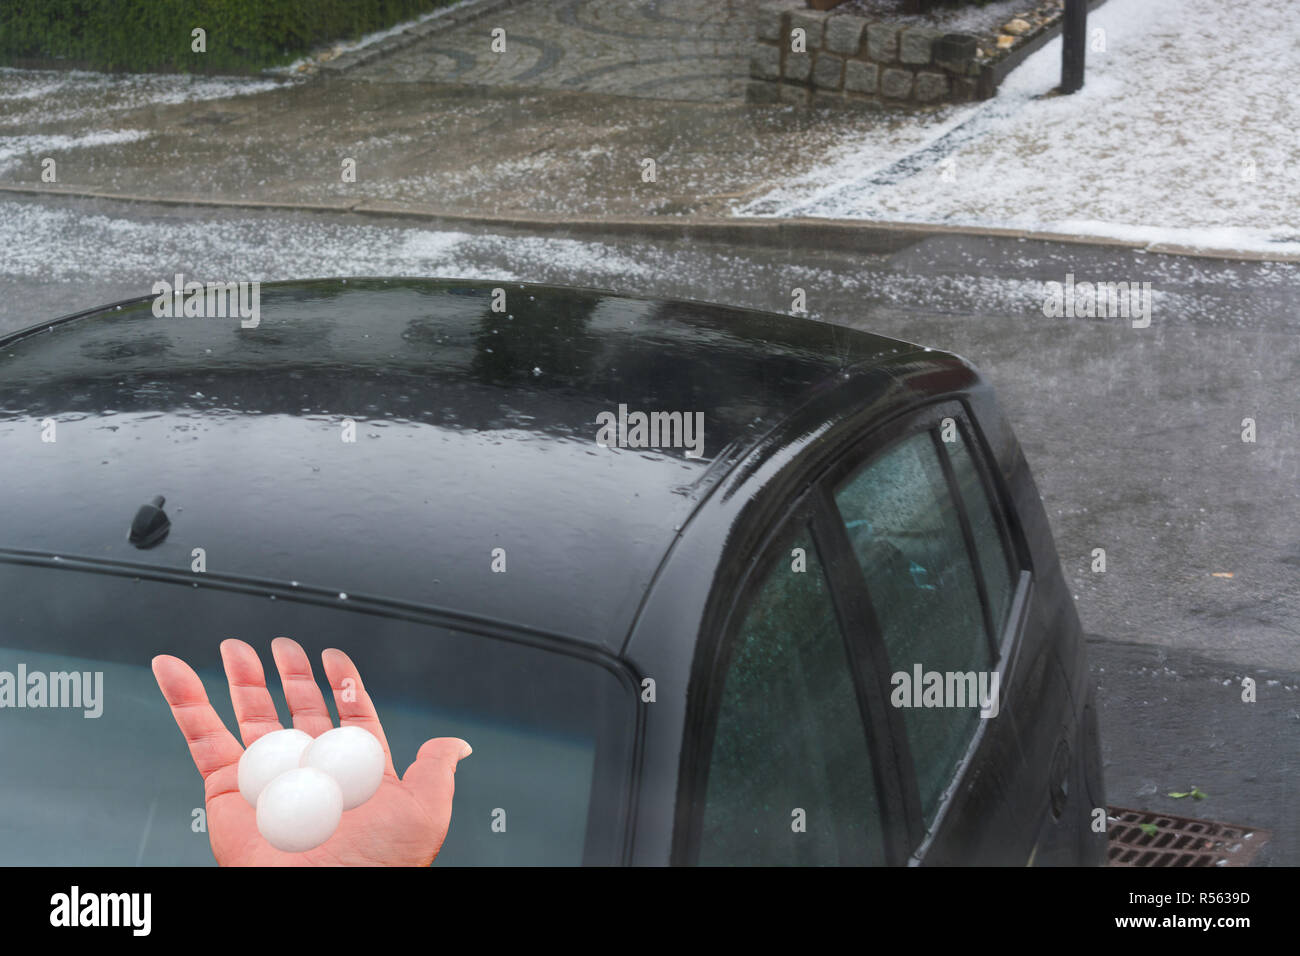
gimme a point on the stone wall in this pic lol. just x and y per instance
(850, 60)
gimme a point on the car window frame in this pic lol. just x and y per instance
(759, 561)
(906, 837)
(1015, 547)
(859, 455)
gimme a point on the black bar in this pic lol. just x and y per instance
(940, 905)
(1074, 35)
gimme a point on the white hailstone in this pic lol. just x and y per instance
(269, 756)
(353, 757)
(299, 810)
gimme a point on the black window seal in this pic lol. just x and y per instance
(991, 637)
(1015, 549)
(900, 804)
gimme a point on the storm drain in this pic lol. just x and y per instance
(1139, 838)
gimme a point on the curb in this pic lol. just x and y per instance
(839, 235)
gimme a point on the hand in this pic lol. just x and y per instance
(403, 824)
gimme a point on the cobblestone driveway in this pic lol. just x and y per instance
(661, 49)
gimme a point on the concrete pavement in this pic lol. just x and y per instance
(564, 123)
(661, 49)
(454, 149)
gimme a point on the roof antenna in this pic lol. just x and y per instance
(151, 524)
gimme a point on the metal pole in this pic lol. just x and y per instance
(1074, 36)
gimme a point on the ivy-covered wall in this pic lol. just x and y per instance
(148, 35)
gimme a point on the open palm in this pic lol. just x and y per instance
(403, 824)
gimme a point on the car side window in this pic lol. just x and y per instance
(990, 547)
(906, 532)
(790, 778)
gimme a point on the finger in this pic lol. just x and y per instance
(301, 692)
(432, 778)
(354, 704)
(212, 746)
(254, 708)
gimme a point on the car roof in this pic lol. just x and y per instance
(475, 431)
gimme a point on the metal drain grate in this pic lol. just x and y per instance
(1178, 841)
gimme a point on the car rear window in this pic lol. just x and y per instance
(106, 778)
(791, 779)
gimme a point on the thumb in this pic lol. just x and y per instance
(432, 778)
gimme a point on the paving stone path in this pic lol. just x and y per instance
(660, 49)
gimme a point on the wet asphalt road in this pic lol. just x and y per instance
(1134, 435)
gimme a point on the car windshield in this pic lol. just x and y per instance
(93, 769)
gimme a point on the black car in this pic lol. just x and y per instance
(699, 584)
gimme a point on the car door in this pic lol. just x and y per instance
(896, 554)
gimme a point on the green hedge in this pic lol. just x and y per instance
(156, 34)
